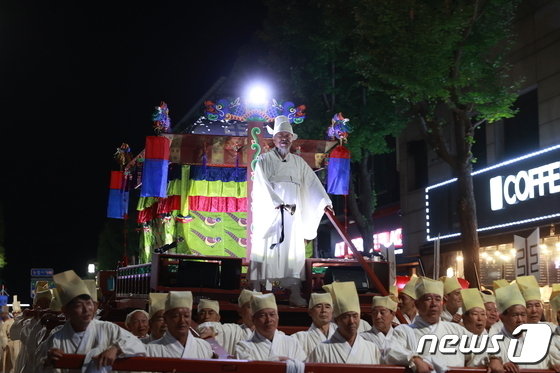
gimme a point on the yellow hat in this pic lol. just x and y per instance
(207, 303)
(555, 304)
(450, 284)
(129, 316)
(178, 299)
(555, 291)
(260, 302)
(92, 287)
(345, 297)
(386, 301)
(69, 286)
(425, 285)
(488, 296)
(508, 296)
(529, 287)
(55, 305)
(42, 291)
(318, 298)
(393, 290)
(156, 302)
(245, 296)
(499, 283)
(409, 287)
(471, 299)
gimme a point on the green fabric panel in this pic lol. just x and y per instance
(185, 184)
(146, 240)
(174, 187)
(309, 249)
(217, 189)
(145, 202)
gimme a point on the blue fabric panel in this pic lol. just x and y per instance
(338, 176)
(238, 174)
(154, 178)
(117, 207)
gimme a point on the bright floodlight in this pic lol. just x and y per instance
(91, 268)
(257, 95)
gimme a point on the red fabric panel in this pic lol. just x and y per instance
(340, 152)
(116, 180)
(217, 204)
(164, 205)
(157, 147)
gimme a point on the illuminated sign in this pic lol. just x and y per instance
(520, 191)
(393, 237)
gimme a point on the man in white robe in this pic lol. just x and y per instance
(406, 301)
(493, 323)
(346, 346)
(222, 337)
(322, 327)
(531, 292)
(403, 349)
(267, 342)
(382, 314)
(452, 310)
(156, 322)
(288, 203)
(474, 313)
(101, 342)
(178, 341)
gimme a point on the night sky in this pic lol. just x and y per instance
(77, 80)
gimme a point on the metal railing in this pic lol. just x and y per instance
(133, 281)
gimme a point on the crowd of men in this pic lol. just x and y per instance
(63, 321)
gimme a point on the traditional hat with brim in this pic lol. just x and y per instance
(471, 299)
(426, 285)
(179, 299)
(131, 313)
(208, 303)
(409, 287)
(263, 301)
(245, 296)
(386, 301)
(282, 124)
(344, 296)
(156, 302)
(529, 287)
(69, 286)
(319, 298)
(450, 284)
(509, 296)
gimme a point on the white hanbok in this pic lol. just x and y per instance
(227, 335)
(260, 348)
(447, 316)
(169, 346)
(277, 182)
(338, 350)
(381, 340)
(546, 363)
(310, 338)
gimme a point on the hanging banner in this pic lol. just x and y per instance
(527, 254)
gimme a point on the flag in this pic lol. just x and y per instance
(338, 172)
(156, 167)
(118, 197)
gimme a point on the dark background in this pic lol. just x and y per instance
(77, 80)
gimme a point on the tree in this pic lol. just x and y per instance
(447, 61)
(310, 45)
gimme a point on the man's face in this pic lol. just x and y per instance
(246, 314)
(382, 318)
(79, 312)
(208, 314)
(178, 321)
(266, 321)
(283, 140)
(535, 311)
(138, 324)
(475, 320)
(429, 307)
(515, 316)
(321, 314)
(157, 325)
(492, 315)
(348, 324)
(406, 303)
(453, 299)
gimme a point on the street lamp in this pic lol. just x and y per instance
(91, 268)
(258, 94)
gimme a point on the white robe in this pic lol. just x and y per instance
(227, 334)
(447, 316)
(338, 350)
(381, 340)
(546, 363)
(278, 182)
(98, 337)
(168, 346)
(310, 338)
(260, 348)
(404, 344)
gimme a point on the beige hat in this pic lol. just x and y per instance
(179, 299)
(69, 286)
(345, 297)
(500, 283)
(529, 287)
(426, 285)
(16, 304)
(129, 316)
(318, 298)
(450, 284)
(488, 296)
(260, 302)
(55, 305)
(92, 287)
(554, 291)
(471, 299)
(282, 124)
(245, 296)
(409, 287)
(386, 301)
(508, 296)
(156, 302)
(555, 304)
(207, 303)
(42, 291)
